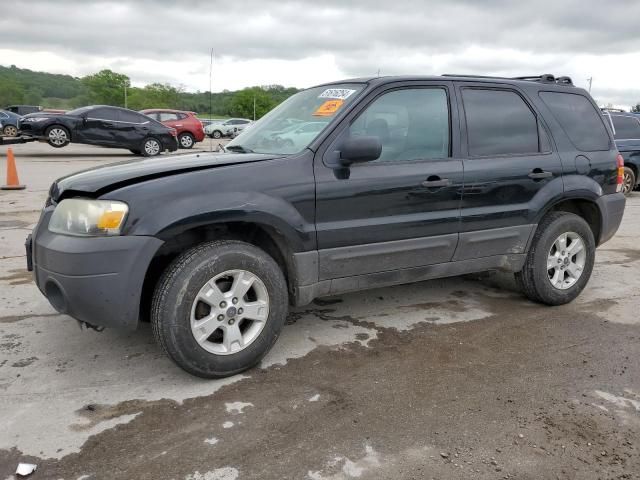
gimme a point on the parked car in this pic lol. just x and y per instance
(301, 133)
(24, 109)
(104, 126)
(375, 198)
(226, 128)
(626, 130)
(189, 128)
(10, 123)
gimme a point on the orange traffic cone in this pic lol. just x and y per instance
(12, 174)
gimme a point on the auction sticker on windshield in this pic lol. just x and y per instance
(337, 93)
(328, 108)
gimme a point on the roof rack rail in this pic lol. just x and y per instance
(545, 78)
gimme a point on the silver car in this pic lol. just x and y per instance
(226, 128)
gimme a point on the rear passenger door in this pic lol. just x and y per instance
(508, 162)
(401, 210)
(132, 128)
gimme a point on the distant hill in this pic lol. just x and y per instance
(24, 86)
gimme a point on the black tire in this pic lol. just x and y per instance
(628, 181)
(57, 143)
(177, 289)
(216, 134)
(10, 131)
(135, 152)
(186, 140)
(534, 280)
(147, 151)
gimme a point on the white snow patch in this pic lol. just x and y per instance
(601, 407)
(315, 398)
(237, 407)
(83, 477)
(618, 401)
(227, 424)
(350, 469)
(211, 441)
(225, 473)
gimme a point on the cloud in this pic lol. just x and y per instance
(359, 37)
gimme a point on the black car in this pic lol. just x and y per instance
(104, 126)
(626, 131)
(23, 109)
(410, 178)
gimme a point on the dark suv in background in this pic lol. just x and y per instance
(626, 131)
(409, 178)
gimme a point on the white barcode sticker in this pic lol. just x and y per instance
(337, 93)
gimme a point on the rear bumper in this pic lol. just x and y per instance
(612, 210)
(97, 280)
(170, 144)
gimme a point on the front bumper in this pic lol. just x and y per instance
(611, 210)
(97, 280)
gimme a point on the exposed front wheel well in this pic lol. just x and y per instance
(262, 236)
(586, 209)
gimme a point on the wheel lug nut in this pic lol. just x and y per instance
(220, 317)
(235, 300)
(240, 311)
(231, 321)
(223, 304)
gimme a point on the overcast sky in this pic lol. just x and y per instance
(301, 43)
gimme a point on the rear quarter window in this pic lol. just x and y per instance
(579, 119)
(627, 128)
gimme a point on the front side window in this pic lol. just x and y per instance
(168, 116)
(412, 124)
(276, 132)
(499, 122)
(627, 128)
(579, 119)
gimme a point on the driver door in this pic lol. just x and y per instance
(403, 209)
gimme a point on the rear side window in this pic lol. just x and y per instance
(626, 127)
(499, 122)
(104, 114)
(168, 116)
(579, 119)
(131, 117)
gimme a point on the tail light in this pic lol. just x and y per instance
(620, 180)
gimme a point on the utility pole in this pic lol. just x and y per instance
(590, 79)
(211, 84)
(125, 94)
(254, 107)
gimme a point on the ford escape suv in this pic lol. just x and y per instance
(409, 178)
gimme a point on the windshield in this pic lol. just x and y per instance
(78, 111)
(295, 123)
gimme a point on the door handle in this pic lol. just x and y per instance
(178, 125)
(435, 181)
(107, 124)
(538, 174)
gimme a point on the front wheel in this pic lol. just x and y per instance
(219, 308)
(151, 147)
(216, 134)
(186, 140)
(628, 181)
(560, 260)
(57, 136)
(10, 131)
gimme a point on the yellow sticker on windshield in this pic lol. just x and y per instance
(328, 108)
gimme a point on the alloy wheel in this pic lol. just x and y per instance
(229, 312)
(10, 131)
(566, 260)
(58, 136)
(186, 141)
(627, 182)
(152, 147)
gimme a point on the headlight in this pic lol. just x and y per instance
(85, 217)
(34, 119)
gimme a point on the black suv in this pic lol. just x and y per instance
(409, 178)
(626, 130)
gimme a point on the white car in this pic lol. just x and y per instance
(226, 128)
(299, 134)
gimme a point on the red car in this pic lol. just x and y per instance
(189, 128)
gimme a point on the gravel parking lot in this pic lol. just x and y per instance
(454, 378)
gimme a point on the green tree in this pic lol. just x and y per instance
(242, 103)
(10, 93)
(155, 95)
(636, 108)
(106, 87)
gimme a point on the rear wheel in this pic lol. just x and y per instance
(216, 134)
(10, 131)
(57, 136)
(186, 140)
(151, 147)
(560, 261)
(628, 181)
(219, 308)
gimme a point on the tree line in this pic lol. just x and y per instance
(23, 86)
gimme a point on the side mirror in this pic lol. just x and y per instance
(360, 149)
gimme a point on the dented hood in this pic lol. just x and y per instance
(99, 180)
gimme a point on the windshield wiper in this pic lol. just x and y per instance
(239, 149)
